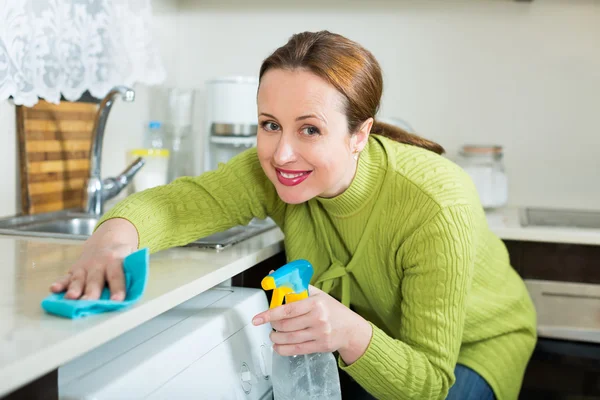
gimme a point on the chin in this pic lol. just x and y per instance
(292, 195)
(292, 198)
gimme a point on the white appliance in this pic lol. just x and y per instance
(205, 348)
(231, 121)
(230, 128)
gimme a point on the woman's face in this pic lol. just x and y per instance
(303, 143)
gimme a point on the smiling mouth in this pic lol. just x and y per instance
(291, 178)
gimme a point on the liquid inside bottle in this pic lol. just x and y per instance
(306, 377)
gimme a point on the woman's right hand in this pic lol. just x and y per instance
(100, 262)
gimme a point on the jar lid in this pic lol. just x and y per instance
(482, 149)
(150, 152)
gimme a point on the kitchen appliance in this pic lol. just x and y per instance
(230, 128)
(205, 348)
(231, 122)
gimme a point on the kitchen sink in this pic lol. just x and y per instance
(79, 226)
(76, 225)
(559, 218)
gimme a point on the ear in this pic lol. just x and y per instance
(362, 135)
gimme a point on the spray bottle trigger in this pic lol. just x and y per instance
(279, 294)
(291, 297)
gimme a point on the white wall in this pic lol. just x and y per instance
(523, 75)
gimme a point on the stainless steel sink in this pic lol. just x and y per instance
(559, 218)
(79, 226)
(61, 224)
(82, 226)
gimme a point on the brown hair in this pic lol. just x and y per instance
(352, 70)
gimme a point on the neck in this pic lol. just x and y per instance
(343, 184)
(360, 184)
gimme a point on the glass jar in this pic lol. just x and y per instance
(181, 160)
(485, 166)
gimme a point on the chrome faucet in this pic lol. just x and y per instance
(96, 190)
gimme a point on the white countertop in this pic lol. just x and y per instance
(505, 223)
(33, 343)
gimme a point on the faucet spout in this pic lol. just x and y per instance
(106, 104)
(94, 190)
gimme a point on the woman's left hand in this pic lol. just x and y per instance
(316, 324)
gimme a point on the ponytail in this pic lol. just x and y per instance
(400, 135)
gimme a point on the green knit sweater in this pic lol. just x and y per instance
(406, 246)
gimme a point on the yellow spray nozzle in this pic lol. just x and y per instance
(268, 283)
(290, 282)
(291, 297)
(278, 295)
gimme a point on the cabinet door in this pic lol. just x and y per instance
(555, 261)
(563, 370)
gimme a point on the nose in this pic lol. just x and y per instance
(284, 153)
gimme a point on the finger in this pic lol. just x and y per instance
(312, 290)
(61, 284)
(297, 349)
(94, 284)
(116, 281)
(77, 284)
(293, 324)
(289, 310)
(295, 337)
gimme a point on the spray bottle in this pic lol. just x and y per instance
(307, 376)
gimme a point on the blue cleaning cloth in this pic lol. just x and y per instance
(135, 269)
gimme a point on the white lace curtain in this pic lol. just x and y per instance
(54, 47)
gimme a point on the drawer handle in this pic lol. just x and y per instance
(572, 295)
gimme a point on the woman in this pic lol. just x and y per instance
(412, 290)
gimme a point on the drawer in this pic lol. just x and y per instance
(566, 310)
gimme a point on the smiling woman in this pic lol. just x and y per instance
(305, 141)
(411, 288)
(317, 100)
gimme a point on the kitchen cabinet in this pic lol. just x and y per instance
(565, 262)
(559, 369)
(563, 370)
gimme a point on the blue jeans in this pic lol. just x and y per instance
(468, 386)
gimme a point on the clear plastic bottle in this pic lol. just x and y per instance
(156, 157)
(306, 377)
(302, 377)
(154, 136)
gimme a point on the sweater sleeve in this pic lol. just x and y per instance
(418, 361)
(193, 207)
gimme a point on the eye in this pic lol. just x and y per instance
(311, 131)
(270, 126)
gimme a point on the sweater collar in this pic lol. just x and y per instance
(365, 184)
